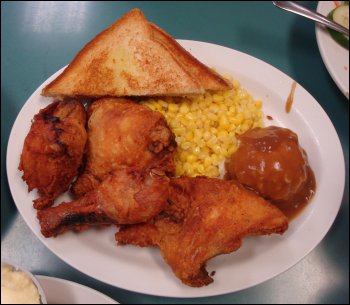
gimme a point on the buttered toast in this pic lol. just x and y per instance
(134, 58)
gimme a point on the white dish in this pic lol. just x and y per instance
(59, 291)
(334, 56)
(260, 258)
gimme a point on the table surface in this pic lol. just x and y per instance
(38, 38)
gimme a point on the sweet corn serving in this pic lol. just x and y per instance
(206, 127)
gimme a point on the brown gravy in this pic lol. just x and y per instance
(295, 205)
(290, 98)
(271, 162)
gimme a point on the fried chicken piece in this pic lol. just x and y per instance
(204, 217)
(126, 196)
(53, 150)
(122, 133)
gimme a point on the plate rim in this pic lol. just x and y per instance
(320, 32)
(41, 278)
(326, 229)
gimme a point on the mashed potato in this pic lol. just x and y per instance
(17, 287)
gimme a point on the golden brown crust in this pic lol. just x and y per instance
(122, 133)
(53, 150)
(208, 78)
(134, 58)
(126, 196)
(204, 217)
(89, 47)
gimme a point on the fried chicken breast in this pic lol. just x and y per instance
(122, 133)
(53, 150)
(204, 217)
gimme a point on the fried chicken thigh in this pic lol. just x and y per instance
(53, 150)
(122, 133)
(126, 196)
(204, 217)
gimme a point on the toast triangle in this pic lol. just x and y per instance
(133, 58)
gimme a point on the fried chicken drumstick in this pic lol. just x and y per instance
(122, 133)
(126, 196)
(53, 150)
(204, 217)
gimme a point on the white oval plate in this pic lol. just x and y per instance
(59, 291)
(334, 56)
(143, 270)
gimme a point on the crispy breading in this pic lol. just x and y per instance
(122, 133)
(53, 150)
(126, 196)
(204, 217)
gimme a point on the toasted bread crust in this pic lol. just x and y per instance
(209, 79)
(51, 89)
(134, 58)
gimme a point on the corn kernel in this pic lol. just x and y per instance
(185, 145)
(179, 130)
(188, 168)
(191, 159)
(212, 141)
(207, 161)
(244, 127)
(201, 168)
(183, 156)
(184, 109)
(215, 160)
(206, 135)
(213, 131)
(256, 124)
(199, 124)
(158, 107)
(162, 103)
(198, 133)
(179, 171)
(173, 107)
(212, 117)
(222, 134)
(224, 123)
(237, 119)
(197, 151)
(218, 98)
(213, 172)
(204, 154)
(235, 84)
(232, 150)
(217, 149)
(189, 116)
(189, 136)
(199, 142)
(206, 126)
